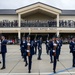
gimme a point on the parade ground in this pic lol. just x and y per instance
(15, 65)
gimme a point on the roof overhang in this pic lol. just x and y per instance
(38, 6)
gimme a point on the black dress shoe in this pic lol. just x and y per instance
(0, 62)
(51, 62)
(2, 68)
(39, 59)
(26, 64)
(54, 71)
(58, 60)
(29, 71)
(73, 66)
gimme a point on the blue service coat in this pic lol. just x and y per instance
(39, 45)
(59, 45)
(31, 47)
(3, 46)
(47, 42)
(72, 46)
(50, 46)
(35, 43)
(23, 45)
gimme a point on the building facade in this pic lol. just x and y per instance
(37, 19)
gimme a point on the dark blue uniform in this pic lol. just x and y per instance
(70, 46)
(39, 49)
(72, 50)
(54, 47)
(47, 43)
(3, 51)
(58, 49)
(31, 54)
(23, 47)
(50, 48)
(60, 46)
(35, 46)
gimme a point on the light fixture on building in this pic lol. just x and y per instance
(47, 28)
(38, 28)
(28, 28)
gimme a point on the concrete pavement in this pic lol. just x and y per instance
(15, 64)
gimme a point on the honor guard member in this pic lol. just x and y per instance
(47, 43)
(51, 50)
(35, 46)
(54, 54)
(22, 46)
(39, 48)
(3, 51)
(30, 53)
(72, 50)
(58, 48)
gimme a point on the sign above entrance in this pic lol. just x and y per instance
(38, 28)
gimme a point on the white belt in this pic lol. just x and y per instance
(55, 44)
(28, 50)
(28, 44)
(53, 50)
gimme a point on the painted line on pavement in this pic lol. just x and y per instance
(62, 73)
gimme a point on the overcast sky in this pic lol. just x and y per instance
(14, 4)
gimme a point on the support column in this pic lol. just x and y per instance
(19, 35)
(57, 20)
(19, 20)
(29, 31)
(57, 33)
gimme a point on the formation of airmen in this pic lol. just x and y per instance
(32, 47)
(29, 48)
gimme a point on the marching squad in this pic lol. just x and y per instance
(30, 47)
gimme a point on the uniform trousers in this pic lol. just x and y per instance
(3, 59)
(73, 58)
